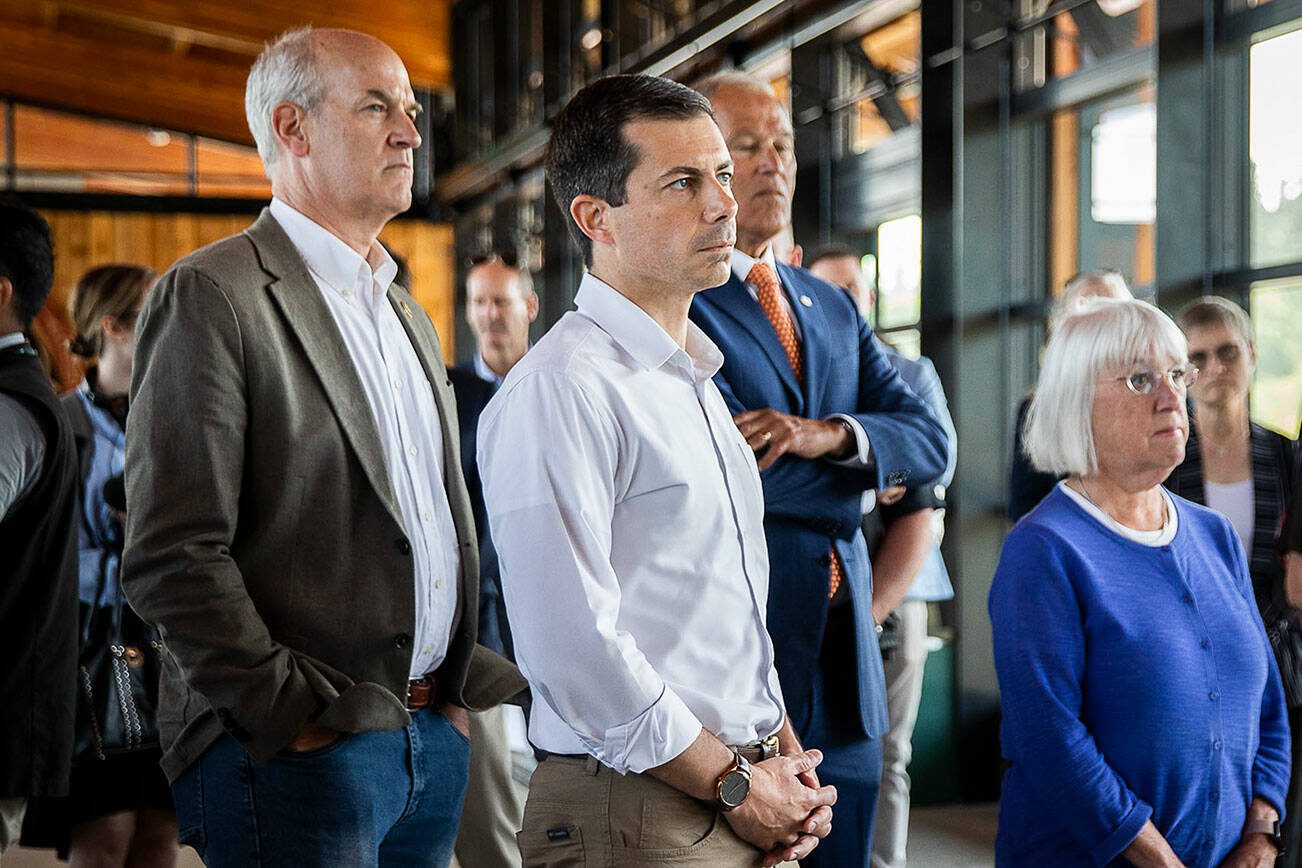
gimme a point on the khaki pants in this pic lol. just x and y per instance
(494, 801)
(11, 820)
(580, 814)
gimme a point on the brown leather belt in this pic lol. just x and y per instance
(422, 693)
(758, 751)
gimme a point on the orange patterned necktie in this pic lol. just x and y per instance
(767, 291)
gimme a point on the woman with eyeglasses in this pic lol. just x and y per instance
(1143, 717)
(119, 809)
(1246, 473)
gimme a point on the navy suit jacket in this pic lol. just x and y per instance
(473, 394)
(811, 505)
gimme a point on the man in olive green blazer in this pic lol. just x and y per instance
(298, 526)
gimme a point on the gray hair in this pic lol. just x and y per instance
(1088, 284)
(1213, 310)
(1102, 335)
(711, 84)
(285, 71)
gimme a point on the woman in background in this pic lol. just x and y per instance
(119, 811)
(1245, 472)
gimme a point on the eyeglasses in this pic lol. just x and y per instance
(509, 258)
(1226, 354)
(1144, 382)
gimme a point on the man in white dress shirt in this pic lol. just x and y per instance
(299, 528)
(631, 541)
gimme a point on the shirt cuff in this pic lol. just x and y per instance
(862, 448)
(651, 739)
(1123, 836)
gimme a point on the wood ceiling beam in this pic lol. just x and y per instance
(101, 77)
(418, 30)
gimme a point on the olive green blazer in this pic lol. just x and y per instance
(263, 536)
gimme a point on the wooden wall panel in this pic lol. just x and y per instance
(85, 239)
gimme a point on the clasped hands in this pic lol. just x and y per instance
(772, 434)
(786, 812)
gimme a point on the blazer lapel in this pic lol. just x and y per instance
(735, 300)
(813, 326)
(299, 299)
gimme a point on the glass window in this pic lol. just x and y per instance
(1274, 133)
(1080, 37)
(899, 272)
(1103, 188)
(883, 67)
(1276, 309)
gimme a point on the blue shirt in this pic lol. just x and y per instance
(100, 536)
(932, 582)
(1136, 681)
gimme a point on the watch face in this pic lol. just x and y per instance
(734, 788)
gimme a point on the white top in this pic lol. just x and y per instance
(629, 525)
(741, 266)
(1160, 537)
(402, 404)
(1237, 502)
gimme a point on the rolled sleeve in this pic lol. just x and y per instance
(550, 503)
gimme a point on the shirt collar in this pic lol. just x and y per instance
(13, 339)
(742, 263)
(485, 372)
(640, 335)
(330, 259)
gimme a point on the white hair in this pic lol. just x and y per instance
(1101, 336)
(285, 71)
(1088, 284)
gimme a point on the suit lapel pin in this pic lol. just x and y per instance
(806, 301)
(405, 310)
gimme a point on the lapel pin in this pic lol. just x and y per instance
(806, 301)
(405, 310)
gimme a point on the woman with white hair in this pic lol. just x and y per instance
(1027, 486)
(1142, 711)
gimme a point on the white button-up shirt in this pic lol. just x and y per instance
(402, 404)
(628, 516)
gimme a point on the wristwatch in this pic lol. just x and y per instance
(1269, 828)
(733, 785)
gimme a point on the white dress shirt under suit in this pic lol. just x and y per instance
(403, 406)
(628, 516)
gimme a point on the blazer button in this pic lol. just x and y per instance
(402, 640)
(403, 545)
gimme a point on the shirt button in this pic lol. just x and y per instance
(401, 641)
(1206, 643)
(1218, 744)
(1214, 695)
(425, 515)
(438, 583)
(403, 545)
(411, 450)
(397, 384)
(1188, 598)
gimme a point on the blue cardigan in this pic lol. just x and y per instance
(1135, 682)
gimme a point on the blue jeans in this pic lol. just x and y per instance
(370, 798)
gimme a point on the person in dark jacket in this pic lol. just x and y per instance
(1027, 486)
(1245, 472)
(38, 501)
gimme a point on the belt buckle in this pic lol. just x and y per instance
(769, 747)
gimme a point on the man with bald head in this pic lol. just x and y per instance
(299, 528)
(828, 419)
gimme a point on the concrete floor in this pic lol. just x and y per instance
(949, 836)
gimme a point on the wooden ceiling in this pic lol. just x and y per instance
(181, 64)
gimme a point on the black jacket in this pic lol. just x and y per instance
(38, 599)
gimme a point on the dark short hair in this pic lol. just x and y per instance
(26, 257)
(588, 153)
(832, 251)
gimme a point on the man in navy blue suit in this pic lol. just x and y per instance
(829, 418)
(500, 305)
